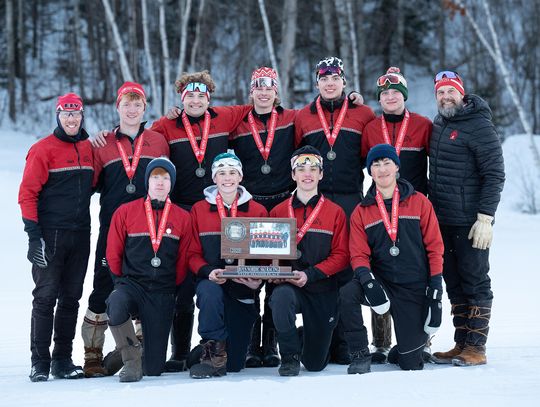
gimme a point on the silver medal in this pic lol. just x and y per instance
(394, 251)
(229, 261)
(155, 262)
(265, 169)
(200, 172)
(130, 188)
(331, 155)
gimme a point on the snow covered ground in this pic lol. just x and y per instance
(511, 376)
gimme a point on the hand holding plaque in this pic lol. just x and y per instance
(261, 239)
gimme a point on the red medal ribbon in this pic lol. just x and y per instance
(221, 207)
(131, 168)
(198, 151)
(391, 226)
(156, 239)
(264, 150)
(311, 218)
(343, 111)
(401, 135)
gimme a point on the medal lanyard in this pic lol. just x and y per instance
(221, 207)
(156, 239)
(311, 218)
(198, 151)
(401, 135)
(391, 226)
(131, 168)
(264, 150)
(331, 137)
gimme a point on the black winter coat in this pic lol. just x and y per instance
(466, 168)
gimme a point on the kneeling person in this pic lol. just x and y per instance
(146, 248)
(226, 307)
(396, 253)
(323, 253)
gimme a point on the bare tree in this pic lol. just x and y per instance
(354, 45)
(495, 52)
(328, 27)
(165, 51)
(269, 42)
(288, 44)
(150, 62)
(197, 40)
(124, 66)
(10, 34)
(22, 52)
(344, 37)
(183, 35)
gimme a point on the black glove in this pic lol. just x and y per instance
(374, 294)
(434, 305)
(37, 254)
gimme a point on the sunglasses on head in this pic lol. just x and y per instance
(196, 87)
(446, 74)
(307, 159)
(329, 70)
(390, 78)
(264, 82)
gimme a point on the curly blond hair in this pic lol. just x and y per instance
(202, 77)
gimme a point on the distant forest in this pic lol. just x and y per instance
(92, 46)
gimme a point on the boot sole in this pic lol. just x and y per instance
(441, 361)
(207, 376)
(463, 363)
(39, 378)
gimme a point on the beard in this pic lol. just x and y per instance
(449, 112)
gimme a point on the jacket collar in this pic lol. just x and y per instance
(194, 120)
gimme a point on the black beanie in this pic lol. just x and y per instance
(381, 151)
(161, 162)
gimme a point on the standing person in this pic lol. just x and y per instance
(146, 251)
(322, 243)
(226, 307)
(196, 135)
(335, 127)
(409, 133)
(396, 253)
(466, 178)
(55, 203)
(120, 166)
(264, 142)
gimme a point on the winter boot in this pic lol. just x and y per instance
(360, 362)
(129, 346)
(112, 362)
(290, 365)
(40, 372)
(93, 334)
(213, 361)
(65, 369)
(181, 330)
(460, 313)
(254, 356)
(381, 326)
(474, 352)
(270, 351)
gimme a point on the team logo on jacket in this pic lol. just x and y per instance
(453, 135)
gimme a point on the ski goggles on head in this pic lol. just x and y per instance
(196, 87)
(64, 114)
(311, 160)
(329, 70)
(446, 74)
(264, 82)
(392, 79)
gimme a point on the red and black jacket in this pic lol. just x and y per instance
(224, 120)
(419, 239)
(344, 174)
(279, 178)
(205, 251)
(129, 249)
(415, 150)
(110, 176)
(57, 183)
(324, 248)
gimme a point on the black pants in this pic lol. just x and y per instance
(223, 318)
(103, 283)
(155, 310)
(408, 309)
(60, 285)
(465, 269)
(319, 314)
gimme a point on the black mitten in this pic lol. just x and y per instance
(434, 305)
(375, 294)
(37, 254)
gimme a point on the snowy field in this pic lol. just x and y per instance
(512, 375)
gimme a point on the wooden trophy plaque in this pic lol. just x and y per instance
(258, 239)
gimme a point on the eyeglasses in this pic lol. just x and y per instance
(329, 70)
(446, 74)
(390, 78)
(196, 87)
(263, 82)
(76, 114)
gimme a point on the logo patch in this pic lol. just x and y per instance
(453, 135)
